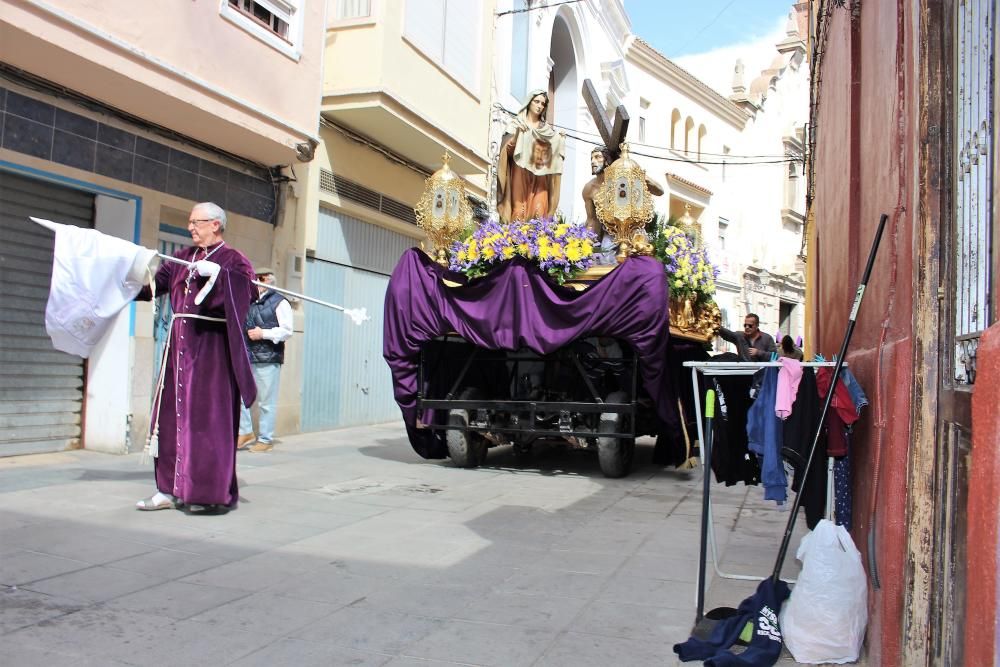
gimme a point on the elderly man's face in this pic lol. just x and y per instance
(202, 228)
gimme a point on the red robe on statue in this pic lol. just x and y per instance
(207, 371)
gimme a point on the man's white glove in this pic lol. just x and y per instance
(211, 270)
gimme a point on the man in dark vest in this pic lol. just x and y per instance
(269, 325)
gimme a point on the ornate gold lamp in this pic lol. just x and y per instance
(443, 211)
(624, 206)
(689, 224)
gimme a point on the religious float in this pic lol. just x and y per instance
(512, 333)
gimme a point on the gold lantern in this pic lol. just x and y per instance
(624, 206)
(443, 211)
(689, 225)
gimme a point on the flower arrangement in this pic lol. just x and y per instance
(689, 270)
(563, 250)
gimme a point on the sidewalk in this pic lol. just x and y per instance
(347, 548)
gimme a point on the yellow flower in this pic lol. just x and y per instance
(508, 251)
(561, 230)
(488, 252)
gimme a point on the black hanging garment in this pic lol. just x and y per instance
(732, 461)
(799, 431)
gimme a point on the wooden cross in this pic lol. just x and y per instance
(614, 133)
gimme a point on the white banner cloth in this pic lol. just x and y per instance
(94, 276)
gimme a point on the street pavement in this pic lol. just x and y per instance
(348, 549)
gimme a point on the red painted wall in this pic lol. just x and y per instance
(865, 160)
(984, 505)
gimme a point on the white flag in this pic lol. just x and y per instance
(94, 276)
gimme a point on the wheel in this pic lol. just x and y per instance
(466, 449)
(615, 454)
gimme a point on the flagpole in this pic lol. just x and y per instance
(281, 290)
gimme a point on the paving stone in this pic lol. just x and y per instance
(265, 612)
(629, 621)
(20, 608)
(364, 627)
(306, 654)
(545, 612)
(21, 567)
(176, 599)
(95, 584)
(483, 644)
(573, 649)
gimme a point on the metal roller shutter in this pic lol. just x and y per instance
(345, 381)
(41, 389)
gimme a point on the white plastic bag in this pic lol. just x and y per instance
(824, 619)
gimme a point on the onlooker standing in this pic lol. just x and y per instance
(753, 344)
(269, 325)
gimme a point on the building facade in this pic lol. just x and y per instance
(404, 81)
(903, 106)
(121, 120)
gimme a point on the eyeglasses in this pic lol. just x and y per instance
(749, 326)
(198, 222)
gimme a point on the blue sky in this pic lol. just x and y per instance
(683, 27)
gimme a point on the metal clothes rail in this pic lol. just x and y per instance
(709, 369)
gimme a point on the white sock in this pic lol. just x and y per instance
(159, 498)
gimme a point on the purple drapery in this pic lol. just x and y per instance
(517, 306)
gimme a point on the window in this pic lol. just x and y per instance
(725, 152)
(701, 139)
(345, 10)
(675, 120)
(688, 135)
(723, 233)
(642, 129)
(519, 50)
(278, 23)
(447, 32)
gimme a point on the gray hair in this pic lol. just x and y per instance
(214, 212)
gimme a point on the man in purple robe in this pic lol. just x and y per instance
(204, 372)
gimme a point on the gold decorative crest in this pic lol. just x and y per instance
(443, 211)
(694, 322)
(624, 205)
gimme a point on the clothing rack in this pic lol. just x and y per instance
(709, 369)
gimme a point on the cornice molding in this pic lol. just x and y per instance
(645, 56)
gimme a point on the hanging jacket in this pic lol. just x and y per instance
(854, 389)
(764, 435)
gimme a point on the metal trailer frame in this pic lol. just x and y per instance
(526, 412)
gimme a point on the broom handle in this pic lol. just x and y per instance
(790, 526)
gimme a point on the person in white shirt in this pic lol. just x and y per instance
(269, 325)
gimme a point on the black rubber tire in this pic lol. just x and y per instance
(466, 449)
(615, 454)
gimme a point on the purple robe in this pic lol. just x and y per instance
(207, 371)
(516, 306)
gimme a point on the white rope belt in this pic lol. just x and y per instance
(153, 441)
